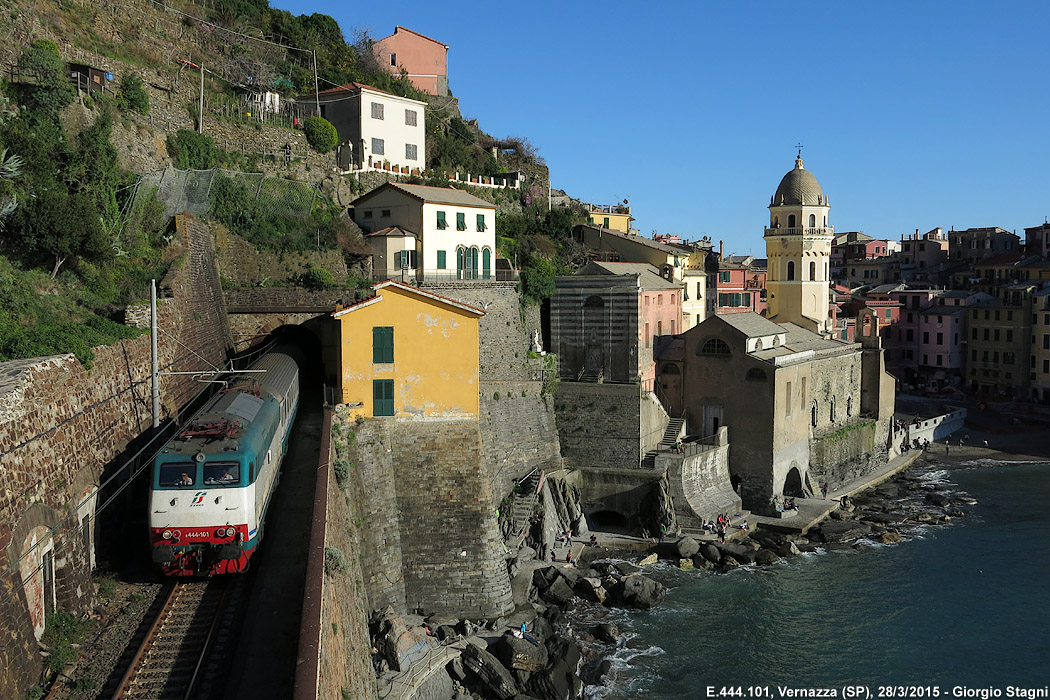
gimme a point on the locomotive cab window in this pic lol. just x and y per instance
(178, 475)
(222, 473)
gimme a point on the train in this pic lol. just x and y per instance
(212, 483)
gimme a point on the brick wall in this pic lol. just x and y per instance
(61, 426)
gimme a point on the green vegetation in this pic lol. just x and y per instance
(131, 96)
(62, 630)
(542, 244)
(335, 562)
(320, 134)
(317, 278)
(192, 151)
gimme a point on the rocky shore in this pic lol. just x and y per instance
(567, 611)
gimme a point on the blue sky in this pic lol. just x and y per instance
(912, 114)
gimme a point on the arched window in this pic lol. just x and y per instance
(776, 222)
(756, 375)
(461, 260)
(791, 270)
(831, 410)
(473, 262)
(813, 414)
(486, 263)
(715, 346)
(594, 301)
(812, 220)
(849, 406)
(758, 344)
(791, 221)
(812, 271)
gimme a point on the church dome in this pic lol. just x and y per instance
(799, 186)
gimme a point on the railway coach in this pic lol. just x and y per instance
(213, 482)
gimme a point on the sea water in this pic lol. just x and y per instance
(959, 609)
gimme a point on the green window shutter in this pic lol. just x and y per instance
(606, 222)
(481, 222)
(382, 397)
(461, 221)
(382, 344)
(441, 260)
(486, 263)
(442, 224)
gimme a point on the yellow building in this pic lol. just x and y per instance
(407, 353)
(616, 217)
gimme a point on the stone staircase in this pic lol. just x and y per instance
(525, 502)
(649, 460)
(672, 434)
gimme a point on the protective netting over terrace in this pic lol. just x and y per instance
(193, 192)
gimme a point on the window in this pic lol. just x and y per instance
(791, 269)
(925, 337)
(812, 265)
(442, 224)
(987, 334)
(382, 344)
(382, 397)
(410, 117)
(791, 221)
(647, 335)
(393, 59)
(378, 147)
(939, 358)
(377, 110)
(461, 221)
(481, 222)
(486, 263)
(973, 356)
(831, 409)
(973, 334)
(909, 335)
(659, 327)
(384, 213)
(756, 375)
(659, 299)
(787, 399)
(714, 346)
(997, 334)
(411, 151)
(1009, 335)
(813, 415)
(812, 220)
(723, 277)
(1046, 366)
(605, 222)
(887, 314)
(441, 259)
(405, 259)
(367, 214)
(940, 338)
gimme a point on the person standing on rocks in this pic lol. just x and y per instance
(824, 490)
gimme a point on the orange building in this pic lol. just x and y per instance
(425, 60)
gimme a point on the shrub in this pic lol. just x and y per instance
(61, 632)
(320, 134)
(317, 278)
(334, 561)
(192, 151)
(131, 96)
(342, 471)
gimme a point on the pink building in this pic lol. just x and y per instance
(741, 287)
(425, 60)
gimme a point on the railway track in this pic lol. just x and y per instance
(175, 650)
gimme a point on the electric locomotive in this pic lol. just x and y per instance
(212, 483)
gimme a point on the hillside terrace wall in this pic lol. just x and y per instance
(62, 425)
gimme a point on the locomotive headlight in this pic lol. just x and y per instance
(220, 532)
(166, 534)
(230, 532)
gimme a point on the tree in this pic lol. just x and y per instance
(192, 151)
(61, 225)
(94, 170)
(42, 65)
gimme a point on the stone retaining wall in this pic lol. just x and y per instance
(699, 484)
(518, 431)
(62, 425)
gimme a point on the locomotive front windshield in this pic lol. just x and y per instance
(222, 473)
(178, 474)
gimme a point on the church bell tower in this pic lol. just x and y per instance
(798, 247)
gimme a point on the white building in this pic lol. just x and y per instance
(378, 130)
(431, 233)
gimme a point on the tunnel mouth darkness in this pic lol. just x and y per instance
(793, 484)
(608, 520)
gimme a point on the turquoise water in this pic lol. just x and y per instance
(966, 604)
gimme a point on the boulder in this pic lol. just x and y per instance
(744, 555)
(728, 562)
(767, 539)
(839, 530)
(686, 563)
(526, 554)
(937, 498)
(788, 549)
(650, 559)
(710, 553)
(684, 547)
(558, 593)
(885, 518)
(626, 568)
(590, 589)
(543, 577)
(570, 574)
(606, 632)
(398, 644)
(556, 682)
(699, 562)
(766, 557)
(519, 654)
(489, 673)
(541, 629)
(840, 515)
(640, 592)
(889, 537)
(456, 670)
(593, 672)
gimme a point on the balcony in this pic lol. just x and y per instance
(808, 231)
(411, 276)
